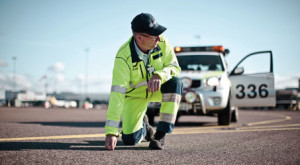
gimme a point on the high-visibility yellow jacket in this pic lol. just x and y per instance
(130, 77)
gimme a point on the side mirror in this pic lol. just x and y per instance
(238, 71)
(226, 52)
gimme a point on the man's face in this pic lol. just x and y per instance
(149, 41)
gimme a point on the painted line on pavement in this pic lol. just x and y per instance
(205, 127)
(286, 118)
(197, 130)
(53, 137)
(273, 126)
(232, 127)
(234, 131)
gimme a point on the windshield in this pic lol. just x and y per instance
(200, 62)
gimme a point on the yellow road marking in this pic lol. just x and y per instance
(234, 131)
(53, 137)
(197, 130)
(84, 146)
(237, 129)
(231, 127)
(201, 127)
(286, 118)
(272, 126)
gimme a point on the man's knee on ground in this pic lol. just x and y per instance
(129, 140)
(132, 139)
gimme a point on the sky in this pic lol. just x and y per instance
(61, 42)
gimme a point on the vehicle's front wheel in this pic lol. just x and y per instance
(224, 116)
(177, 118)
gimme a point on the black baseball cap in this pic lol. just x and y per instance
(146, 23)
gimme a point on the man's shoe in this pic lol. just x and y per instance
(149, 129)
(158, 142)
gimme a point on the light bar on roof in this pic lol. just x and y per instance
(200, 49)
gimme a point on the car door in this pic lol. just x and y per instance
(252, 81)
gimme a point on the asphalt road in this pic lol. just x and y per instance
(76, 136)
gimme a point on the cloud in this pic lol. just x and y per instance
(22, 82)
(19, 82)
(3, 64)
(56, 79)
(2, 77)
(57, 67)
(59, 77)
(282, 82)
(96, 83)
(80, 78)
(100, 83)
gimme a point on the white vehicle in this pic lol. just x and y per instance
(210, 88)
(62, 103)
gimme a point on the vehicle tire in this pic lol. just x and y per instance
(224, 116)
(235, 115)
(177, 118)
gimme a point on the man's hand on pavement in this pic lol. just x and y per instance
(154, 84)
(110, 142)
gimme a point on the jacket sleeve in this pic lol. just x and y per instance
(120, 83)
(171, 67)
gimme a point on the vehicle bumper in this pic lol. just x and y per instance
(208, 101)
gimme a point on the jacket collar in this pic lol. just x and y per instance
(156, 49)
(134, 55)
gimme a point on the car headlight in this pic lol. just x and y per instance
(190, 97)
(186, 82)
(213, 81)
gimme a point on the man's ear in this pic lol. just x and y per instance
(139, 38)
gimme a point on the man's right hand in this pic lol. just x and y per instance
(110, 142)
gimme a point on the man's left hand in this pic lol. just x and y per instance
(154, 84)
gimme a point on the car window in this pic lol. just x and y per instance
(259, 63)
(200, 62)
